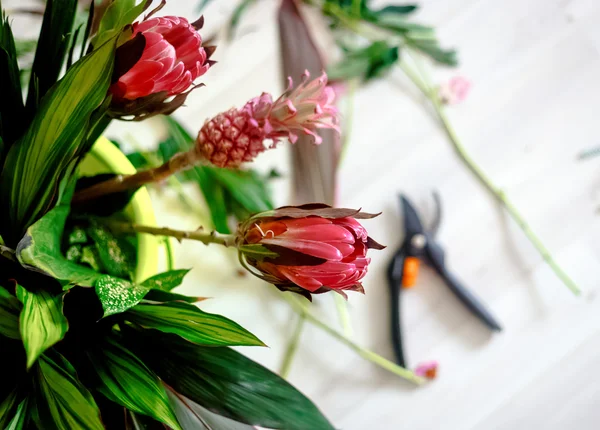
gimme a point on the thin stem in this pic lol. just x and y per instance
(119, 183)
(227, 240)
(342, 309)
(292, 347)
(421, 82)
(302, 309)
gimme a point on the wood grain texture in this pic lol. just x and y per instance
(535, 67)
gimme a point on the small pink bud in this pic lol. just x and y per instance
(314, 248)
(427, 369)
(238, 135)
(455, 90)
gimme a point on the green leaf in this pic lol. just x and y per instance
(41, 249)
(125, 379)
(192, 324)
(193, 416)
(61, 401)
(52, 48)
(214, 196)
(12, 413)
(10, 308)
(105, 205)
(117, 256)
(118, 14)
(159, 296)
(118, 295)
(166, 281)
(42, 323)
(12, 121)
(366, 63)
(227, 383)
(47, 152)
(236, 16)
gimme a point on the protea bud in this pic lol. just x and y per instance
(172, 59)
(308, 249)
(239, 135)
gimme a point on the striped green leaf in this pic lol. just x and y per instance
(166, 281)
(227, 383)
(15, 418)
(10, 308)
(124, 379)
(51, 51)
(42, 323)
(192, 324)
(118, 14)
(46, 153)
(41, 248)
(61, 402)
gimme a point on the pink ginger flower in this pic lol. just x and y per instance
(455, 90)
(238, 135)
(314, 248)
(172, 60)
(427, 369)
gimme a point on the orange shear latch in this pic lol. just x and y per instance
(410, 272)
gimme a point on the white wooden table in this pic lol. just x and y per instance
(535, 66)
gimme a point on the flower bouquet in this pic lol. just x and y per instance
(88, 339)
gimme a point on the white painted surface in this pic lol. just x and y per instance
(535, 66)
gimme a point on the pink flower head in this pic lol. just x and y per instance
(237, 136)
(427, 369)
(309, 249)
(173, 58)
(455, 90)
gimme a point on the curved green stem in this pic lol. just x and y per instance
(365, 353)
(421, 82)
(292, 347)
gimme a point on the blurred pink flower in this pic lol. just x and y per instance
(455, 90)
(427, 369)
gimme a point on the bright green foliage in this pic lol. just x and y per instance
(192, 324)
(125, 379)
(42, 323)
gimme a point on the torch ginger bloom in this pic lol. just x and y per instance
(238, 135)
(173, 58)
(308, 249)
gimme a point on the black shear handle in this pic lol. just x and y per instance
(395, 283)
(470, 300)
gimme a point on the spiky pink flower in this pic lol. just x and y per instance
(173, 58)
(237, 136)
(313, 248)
(455, 90)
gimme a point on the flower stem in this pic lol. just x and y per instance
(179, 162)
(292, 347)
(430, 92)
(227, 240)
(302, 309)
(342, 309)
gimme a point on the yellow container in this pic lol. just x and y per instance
(107, 158)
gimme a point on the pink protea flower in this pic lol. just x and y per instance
(237, 136)
(308, 249)
(173, 58)
(455, 90)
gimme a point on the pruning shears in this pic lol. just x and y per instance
(420, 246)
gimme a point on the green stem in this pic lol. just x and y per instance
(302, 309)
(421, 82)
(342, 309)
(227, 240)
(292, 347)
